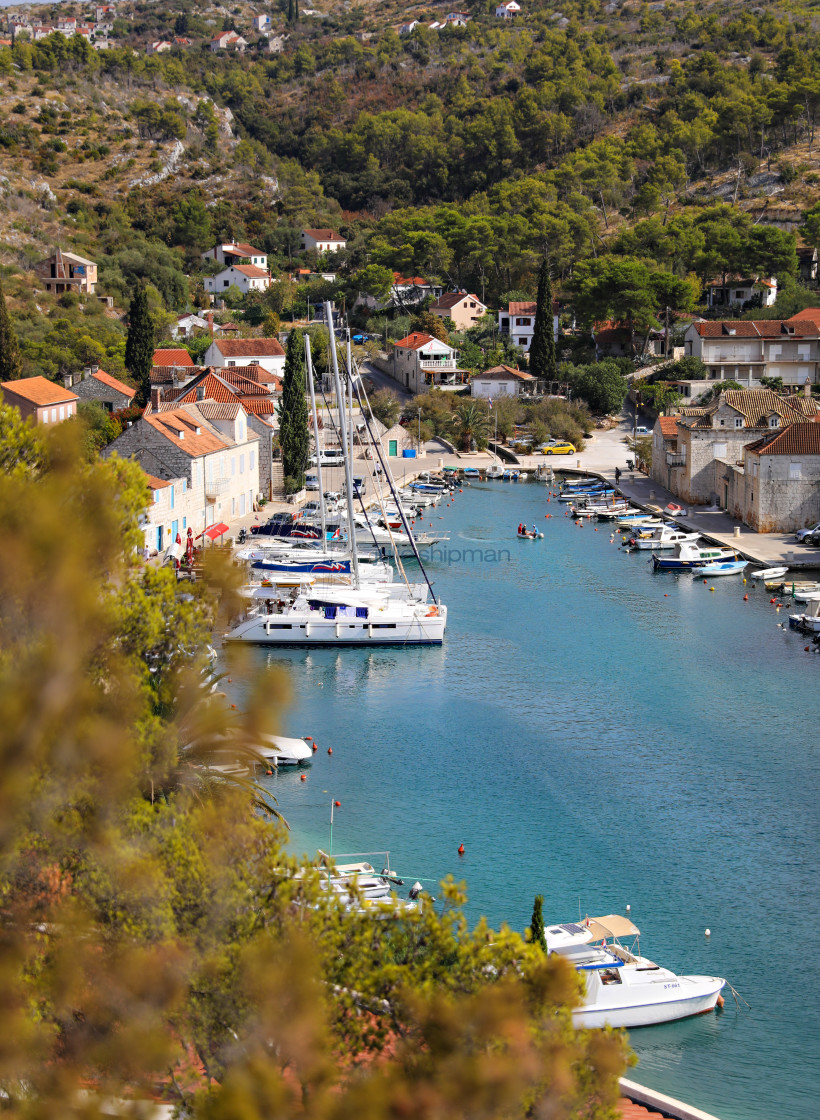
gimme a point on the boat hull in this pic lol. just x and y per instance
(279, 631)
(692, 995)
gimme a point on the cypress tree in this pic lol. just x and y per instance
(293, 419)
(10, 366)
(537, 935)
(542, 350)
(139, 345)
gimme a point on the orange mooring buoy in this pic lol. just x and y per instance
(304, 779)
(461, 846)
(338, 804)
(745, 598)
(330, 750)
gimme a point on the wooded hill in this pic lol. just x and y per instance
(679, 137)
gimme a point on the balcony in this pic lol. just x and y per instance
(675, 459)
(432, 366)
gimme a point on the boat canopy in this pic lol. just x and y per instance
(612, 925)
(272, 592)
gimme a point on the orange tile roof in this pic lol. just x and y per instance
(502, 372)
(415, 340)
(39, 391)
(797, 439)
(758, 328)
(112, 383)
(451, 299)
(155, 483)
(245, 249)
(172, 358)
(252, 271)
(179, 420)
(528, 307)
(669, 427)
(810, 313)
(249, 347)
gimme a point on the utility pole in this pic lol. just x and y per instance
(666, 337)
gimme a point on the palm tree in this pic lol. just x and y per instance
(472, 424)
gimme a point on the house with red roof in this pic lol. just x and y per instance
(421, 362)
(776, 486)
(265, 352)
(501, 381)
(96, 385)
(517, 322)
(463, 309)
(236, 252)
(746, 350)
(216, 457)
(245, 277)
(322, 241)
(40, 400)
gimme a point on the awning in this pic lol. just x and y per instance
(611, 925)
(214, 531)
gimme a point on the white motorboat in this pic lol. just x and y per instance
(279, 750)
(807, 622)
(690, 555)
(363, 890)
(805, 595)
(623, 988)
(663, 537)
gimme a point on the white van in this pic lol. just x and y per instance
(331, 456)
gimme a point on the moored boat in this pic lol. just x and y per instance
(663, 537)
(721, 568)
(689, 555)
(623, 988)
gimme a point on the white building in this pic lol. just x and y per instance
(746, 350)
(187, 325)
(212, 464)
(322, 241)
(262, 23)
(236, 252)
(264, 352)
(518, 322)
(500, 381)
(738, 291)
(245, 277)
(422, 362)
(508, 11)
(228, 41)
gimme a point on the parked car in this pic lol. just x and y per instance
(642, 431)
(311, 482)
(801, 534)
(560, 449)
(330, 457)
(813, 539)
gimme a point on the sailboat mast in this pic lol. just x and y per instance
(349, 359)
(309, 367)
(340, 402)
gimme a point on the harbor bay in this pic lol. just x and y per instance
(605, 736)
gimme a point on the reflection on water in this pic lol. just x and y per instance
(605, 736)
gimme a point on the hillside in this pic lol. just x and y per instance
(464, 153)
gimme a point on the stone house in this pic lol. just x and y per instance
(228, 41)
(686, 462)
(216, 458)
(159, 46)
(97, 385)
(617, 342)
(501, 381)
(463, 309)
(166, 515)
(776, 486)
(40, 400)
(746, 350)
(807, 263)
(245, 277)
(187, 325)
(421, 362)
(322, 241)
(67, 272)
(265, 352)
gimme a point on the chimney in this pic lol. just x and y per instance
(94, 367)
(156, 397)
(87, 372)
(68, 380)
(807, 388)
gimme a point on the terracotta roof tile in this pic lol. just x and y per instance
(245, 249)
(797, 439)
(219, 410)
(156, 483)
(451, 299)
(39, 391)
(252, 271)
(527, 307)
(669, 427)
(324, 235)
(172, 358)
(186, 420)
(503, 373)
(249, 347)
(112, 383)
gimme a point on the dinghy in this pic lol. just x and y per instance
(721, 568)
(769, 573)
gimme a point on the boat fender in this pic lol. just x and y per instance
(720, 1003)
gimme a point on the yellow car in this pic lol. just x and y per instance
(559, 449)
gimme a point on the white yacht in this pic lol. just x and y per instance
(360, 888)
(624, 989)
(664, 536)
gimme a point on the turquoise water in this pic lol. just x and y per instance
(587, 738)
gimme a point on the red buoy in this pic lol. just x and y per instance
(304, 779)
(338, 804)
(330, 750)
(315, 746)
(461, 846)
(269, 772)
(745, 598)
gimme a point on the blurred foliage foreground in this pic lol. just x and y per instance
(155, 941)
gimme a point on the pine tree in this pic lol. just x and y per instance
(293, 420)
(537, 935)
(10, 366)
(542, 350)
(139, 345)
